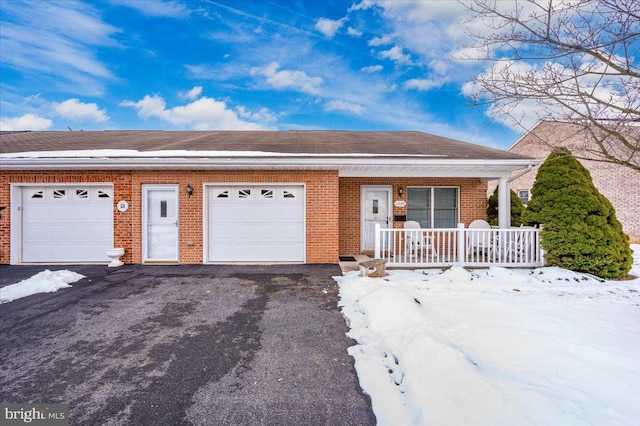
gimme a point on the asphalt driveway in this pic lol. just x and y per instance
(170, 345)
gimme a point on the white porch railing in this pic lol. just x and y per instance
(515, 247)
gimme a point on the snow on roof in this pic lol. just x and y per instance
(131, 153)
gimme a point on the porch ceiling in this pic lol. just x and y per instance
(485, 170)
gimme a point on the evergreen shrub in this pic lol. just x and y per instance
(580, 229)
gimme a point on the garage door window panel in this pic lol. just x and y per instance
(81, 195)
(59, 194)
(37, 194)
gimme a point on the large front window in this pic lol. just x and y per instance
(433, 207)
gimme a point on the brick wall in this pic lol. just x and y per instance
(321, 206)
(619, 184)
(473, 203)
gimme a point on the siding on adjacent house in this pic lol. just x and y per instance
(621, 185)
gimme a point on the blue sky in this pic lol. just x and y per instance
(212, 65)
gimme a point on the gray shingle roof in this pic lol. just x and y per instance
(287, 142)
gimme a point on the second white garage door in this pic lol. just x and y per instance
(256, 223)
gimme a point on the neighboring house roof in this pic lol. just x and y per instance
(620, 184)
(343, 150)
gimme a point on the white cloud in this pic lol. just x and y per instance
(191, 94)
(156, 8)
(298, 80)
(56, 42)
(329, 27)
(202, 114)
(263, 115)
(424, 84)
(466, 54)
(395, 54)
(75, 110)
(25, 122)
(416, 12)
(427, 31)
(439, 66)
(149, 106)
(379, 41)
(372, 68)
(353, 32)
(363, 5)
(340, 105)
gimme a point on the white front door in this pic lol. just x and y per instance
(376, 208)
(160, 224)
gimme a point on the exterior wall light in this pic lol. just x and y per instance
(400, 191)
(189, 190)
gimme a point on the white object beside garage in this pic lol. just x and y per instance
(256, 223)
(66, 224)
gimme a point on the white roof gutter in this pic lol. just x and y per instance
(346, 167)
(97, 163)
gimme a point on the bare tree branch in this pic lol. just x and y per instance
(575, 61)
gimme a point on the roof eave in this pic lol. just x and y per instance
(348, 167)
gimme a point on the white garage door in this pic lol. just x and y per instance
(256, 223)
(67, 223)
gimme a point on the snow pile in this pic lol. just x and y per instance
(528, 347)
(43, 282)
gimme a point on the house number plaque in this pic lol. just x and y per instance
(123, 206)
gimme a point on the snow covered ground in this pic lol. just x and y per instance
(43, 282)
(496, 346)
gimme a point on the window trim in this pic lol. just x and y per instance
(528, 195)
(432, 202)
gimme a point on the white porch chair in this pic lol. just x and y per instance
(418, 241)
(479, 242)
(518, 246)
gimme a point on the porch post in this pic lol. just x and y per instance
(376, 247)
(462, 249)
(504, 203)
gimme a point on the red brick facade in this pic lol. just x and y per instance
(473, 203)
(332, 205)
(621, 185)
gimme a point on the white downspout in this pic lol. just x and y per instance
(522, 173)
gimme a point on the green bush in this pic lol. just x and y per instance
(516, 209)
(580, 230)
